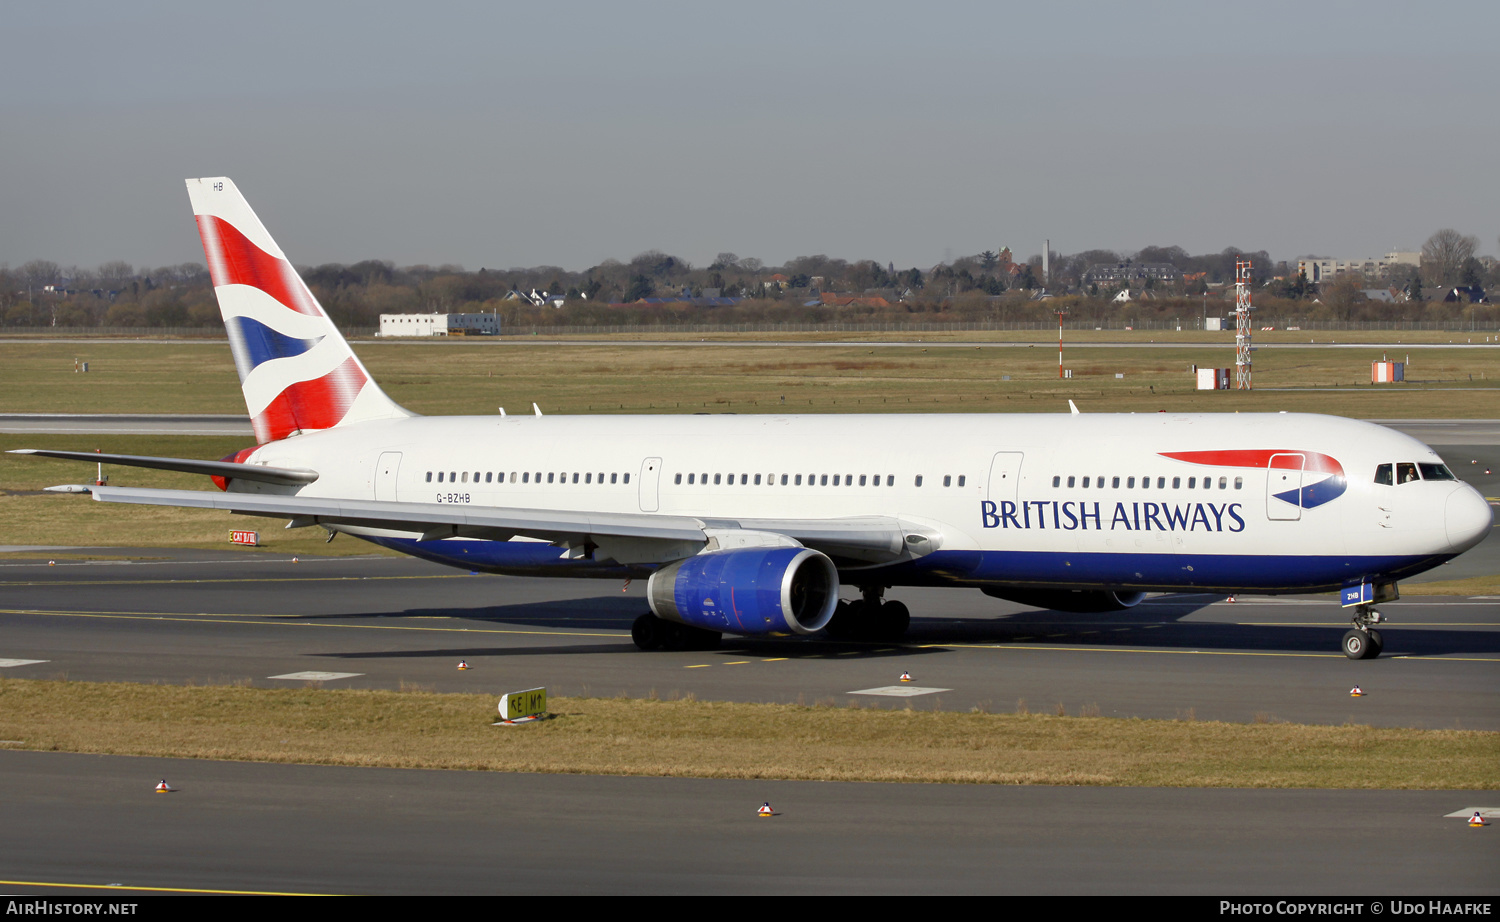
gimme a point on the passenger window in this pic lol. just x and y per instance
(1070, 483)
(452, 477)
(783, 480)
(799, 479)
(961, 479)
(440, 476)
(1116, 483)
(466, 477)
(1145, 483)
(1161, 483)
(919, 480)
(512, 476)
(1085, 483)
(947, 480)
(1192, 483)
(549, 477)
(745, 479)
(1435, 471)
(757, 480)
(525, 477)
(679, 479)
(848, 480)
(1099, 481)
(588, 477)
(1239, 482)
(575, 476)
(429, 476)
(476, 476)
(716, 480)
(627, 476)
(614, 478)
(1057, 480)
(835, 479)
(1223, 482)
(1129, 483)
(862, 479)
(825, 481)
(489, 476)
(1176, 482)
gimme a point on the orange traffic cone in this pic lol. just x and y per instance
(765, 810)
(163, 788)
(462, 664)
(906, 677)
(1478, 819)
(1356, 692)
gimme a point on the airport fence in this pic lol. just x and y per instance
(1013, 326)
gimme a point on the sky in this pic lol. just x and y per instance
(501, 135)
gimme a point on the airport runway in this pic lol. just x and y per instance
(94, 820)
(225, 616)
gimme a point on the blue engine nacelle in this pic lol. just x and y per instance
(752, 590)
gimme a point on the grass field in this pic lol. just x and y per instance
(684, 738)
(468, 378)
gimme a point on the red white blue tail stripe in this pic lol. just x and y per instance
(297, 372)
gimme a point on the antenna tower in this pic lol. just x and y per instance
(1242, 309)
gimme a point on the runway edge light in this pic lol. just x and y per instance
(1478, 819)
(164, 788)
(765, 810)
(1356, 692)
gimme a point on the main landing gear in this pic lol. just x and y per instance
(652, 633)
(869, 618)
(1364, 642)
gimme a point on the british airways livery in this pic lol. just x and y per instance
(751, 524)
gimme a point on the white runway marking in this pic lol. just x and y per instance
(899, 691)
(1466, 812)
(316, 676)
(6, 663)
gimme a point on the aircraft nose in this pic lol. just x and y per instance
(1467, 517)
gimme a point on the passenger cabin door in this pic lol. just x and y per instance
(1005, 476)
(385, 475)
(1284, 487)
(650, 478)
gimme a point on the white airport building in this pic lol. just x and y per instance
(1321, 270)
(439, 325)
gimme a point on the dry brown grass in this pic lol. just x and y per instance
(418, 729)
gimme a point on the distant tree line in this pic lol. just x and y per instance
(656, 288)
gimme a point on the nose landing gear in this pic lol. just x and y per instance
(1363, 641)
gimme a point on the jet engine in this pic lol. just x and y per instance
(1076, 600)
(752, 590)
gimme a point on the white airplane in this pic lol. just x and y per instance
(750, 524)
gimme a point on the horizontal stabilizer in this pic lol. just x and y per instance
(282, 476)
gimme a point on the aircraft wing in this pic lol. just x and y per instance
(872, 539)
(283, 476)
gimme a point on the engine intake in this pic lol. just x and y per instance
(753, 590)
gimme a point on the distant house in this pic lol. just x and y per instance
(1383, 295)
(1461, 294)
(850, 299)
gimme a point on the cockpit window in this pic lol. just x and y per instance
(1406, 472)
(1383, 475)
(1435, 471)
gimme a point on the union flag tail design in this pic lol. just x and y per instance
(296, 370)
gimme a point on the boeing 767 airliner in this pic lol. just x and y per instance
(750, 524)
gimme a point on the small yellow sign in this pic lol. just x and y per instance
(529, 703)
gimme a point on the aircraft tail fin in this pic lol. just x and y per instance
(297, 372)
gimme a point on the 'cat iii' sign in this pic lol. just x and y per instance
(529, 703)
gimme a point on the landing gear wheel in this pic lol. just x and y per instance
(892, 622)
(844, 625)
(1357, 645)
(1377, 642)
(647, 632)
